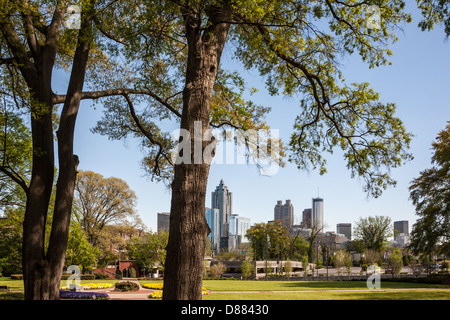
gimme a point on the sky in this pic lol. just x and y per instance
(417, 82)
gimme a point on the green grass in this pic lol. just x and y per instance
(249, 285)
(418, 294)
(294, 290)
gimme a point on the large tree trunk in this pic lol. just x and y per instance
(188, 228)
(43, 269)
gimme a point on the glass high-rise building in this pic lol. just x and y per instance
(212, 218)
(317, 214)
(402, 226)
(221, 199)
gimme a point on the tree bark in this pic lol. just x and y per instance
(188, 228)
(42, 269)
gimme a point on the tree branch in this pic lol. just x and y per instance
(57, 99)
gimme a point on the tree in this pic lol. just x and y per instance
(148, 250)
(33, 42)
(102, 201)
(373, 231)
(175, 48)
(434, 12)
(430, 194)
(79, 251)
(395, 261)
(247, 269)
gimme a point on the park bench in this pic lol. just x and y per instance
(4, 288)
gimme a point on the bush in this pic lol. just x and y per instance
(99, 275)
(126, 286)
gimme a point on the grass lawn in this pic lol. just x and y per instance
(419, 294)
(299, 290)
(249, 285)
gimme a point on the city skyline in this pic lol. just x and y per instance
(418, 96)
(226, 226)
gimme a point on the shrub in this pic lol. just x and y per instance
(126, 286)
(218, 269)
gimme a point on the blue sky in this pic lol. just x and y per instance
(417, 81)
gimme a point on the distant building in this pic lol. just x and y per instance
(163, 221)
(317, 214)
(307, 218)
(345, 229)
(284, 212)
(221, 199)
(402, 240)
(402, 226)
(237, 230)
(212, 218)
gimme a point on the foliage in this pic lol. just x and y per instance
(269, 240)
(79, 251)
(395, 261)
(430, 194)
(102, 201)
(434, 12)
(217, 269)
(247, 269)
(373, 231)
(126, 286)
(148, 250)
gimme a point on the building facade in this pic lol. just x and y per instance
(307, 218)
(212, 218)
(221, 199)
(284, 212)
(402, 226)
(345, 229)
(317, 214)
(163, 221)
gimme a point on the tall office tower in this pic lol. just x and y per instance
(163, 222)
(402, 226)
(212, 218)
(345, 229)
(284, 212)
(307, 218)
(221, 199)
(237, 231)
(317, 214)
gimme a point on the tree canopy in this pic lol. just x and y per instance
(430, 194)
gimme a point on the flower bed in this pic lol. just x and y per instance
(155, 286)
(90, 286)
(157, 294)
(67, 294)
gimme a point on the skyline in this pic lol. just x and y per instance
(417, 81)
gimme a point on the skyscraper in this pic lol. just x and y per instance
(402, 226)
(307, 218)
(163, 222)
(237, 230)
(345, 229)
(221, 199)
(284, 212)
(212, 218)
(317, 214)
